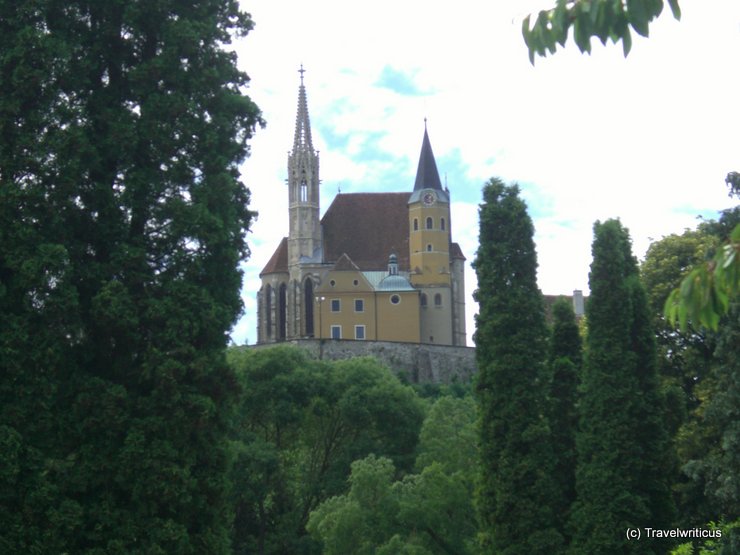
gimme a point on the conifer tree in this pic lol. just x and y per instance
(122, 222)
(622, 447)
(517, 492)
(565, 365)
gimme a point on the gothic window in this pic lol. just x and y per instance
(437, 300)
(430, 223)
(304, 191)
(283, 316)
(268, 310)
(308, 301)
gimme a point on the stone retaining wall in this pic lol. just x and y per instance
(421, 363)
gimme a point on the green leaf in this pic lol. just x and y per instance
(675, 8)
(626, 42)
(638, 17)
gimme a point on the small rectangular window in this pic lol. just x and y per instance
(359, 332)
(336, 305)
(359, 305)
(336, 332)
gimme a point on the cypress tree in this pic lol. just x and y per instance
(622, 446)
(564, 361)
(122, 223)
(516, 494)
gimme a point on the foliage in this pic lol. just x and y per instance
(517, 492)
(604, 19)
(448, 436)
(727, 544)
(623, 451)
(122, 223)
(426, 513)
(301, 424)
(564, 360)
(712, 442)
(709, 289)
(685, 361)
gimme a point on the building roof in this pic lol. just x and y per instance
(427, 176)
(456, 252)
(278, 261)
(368, 227)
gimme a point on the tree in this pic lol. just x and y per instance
(685, 361)
(565, 358)
(426, 513)
(517, 492)
(122, 223)
(300, 426)
(707, 293)
(622, 447)
(448, 436)
(604, 19)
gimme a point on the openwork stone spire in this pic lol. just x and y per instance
(302, 140)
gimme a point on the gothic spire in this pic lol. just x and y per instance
(427, 176)
(302, 140)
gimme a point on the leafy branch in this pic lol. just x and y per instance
(705, 295)
(604, 19)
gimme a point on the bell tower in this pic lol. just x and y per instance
(304, 237)
(429, 223)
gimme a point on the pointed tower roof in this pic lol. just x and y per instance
(302, 139)
(427, 176)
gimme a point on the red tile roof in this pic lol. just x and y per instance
(368, 227)
(364, 227)
(278, 261)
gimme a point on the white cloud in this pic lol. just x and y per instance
(648, 139)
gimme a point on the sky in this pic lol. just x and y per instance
(648, 139)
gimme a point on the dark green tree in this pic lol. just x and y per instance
(517, 494)
(122, 223)
(565, 358)
(624, 461)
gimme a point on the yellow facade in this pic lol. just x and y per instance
(348, 307)
(429, 242)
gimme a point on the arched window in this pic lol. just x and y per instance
(429, 247)
(308, 303)
(442, 224)
(416, 224)
(437, 300)
(423, 299)
(283, 312)
(430, 223)
(268, 310)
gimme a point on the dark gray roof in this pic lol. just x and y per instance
(427, 176)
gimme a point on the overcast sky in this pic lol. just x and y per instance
(648, 139)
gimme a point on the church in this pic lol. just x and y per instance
(375, 267)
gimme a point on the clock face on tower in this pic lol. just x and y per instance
(428, 198)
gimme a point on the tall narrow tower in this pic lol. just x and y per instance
(429, 223)
(304, 238)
